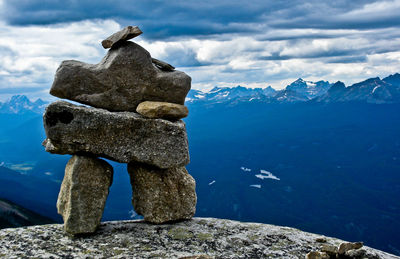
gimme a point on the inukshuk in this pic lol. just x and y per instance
(137, 103)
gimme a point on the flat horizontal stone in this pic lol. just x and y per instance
(124, 78)
(126, 33)
(162, 110)
(120, 136)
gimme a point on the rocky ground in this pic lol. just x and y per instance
(212, 238)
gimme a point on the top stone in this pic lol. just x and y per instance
(125, 77)
(125, 34)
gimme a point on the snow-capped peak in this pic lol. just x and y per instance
(21, 104)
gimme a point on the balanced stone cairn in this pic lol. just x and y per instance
(137, 103)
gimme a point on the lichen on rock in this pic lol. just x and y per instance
(137, 239)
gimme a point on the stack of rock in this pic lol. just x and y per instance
(346, 250)
(137, 103)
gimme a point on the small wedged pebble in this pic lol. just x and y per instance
(162, 110)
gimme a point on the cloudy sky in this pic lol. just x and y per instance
(218, 43)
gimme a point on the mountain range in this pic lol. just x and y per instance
(12, 215)
(21, 104)
(373, 90)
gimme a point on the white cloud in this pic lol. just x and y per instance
(376, 8)
(30, 55)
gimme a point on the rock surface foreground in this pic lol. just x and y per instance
(162, 195)
(216, 238)
(124, 78)
(83, 193)
(120, 136)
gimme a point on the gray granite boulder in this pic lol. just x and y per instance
(317, 255)
(124, 78)
(162, 195)
(216, 238)
(83, 193)
(162, 110)
(330, 250)
(346, 246)
(126, 33)
(120, 136)
(356, 253)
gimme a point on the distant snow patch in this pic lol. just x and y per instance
(245, 169)
(256, 186)
(211, 183)
(261, 176)
(22, 168)
(310, 84)
(215, 90)
(266, 175)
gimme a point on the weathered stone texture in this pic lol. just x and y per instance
(317, 255)
(330, 250)
(124, 78)
(216, 238)
(83, 193)
(162, 110)
(162, 65)
(120, 136)
(162, 195)
(346, 246)
(356, 253)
